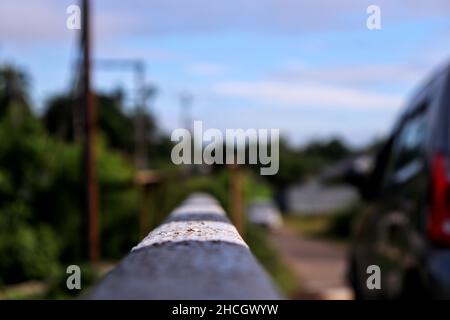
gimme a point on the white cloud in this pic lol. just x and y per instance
(45, 20)
(308, 95)
(32, 20)
(280, 16)
(356, 75)
(205, 69)
(41, 19)
(112, 51)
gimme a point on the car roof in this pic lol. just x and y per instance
(422, 90)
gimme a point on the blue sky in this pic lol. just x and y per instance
(310, 68)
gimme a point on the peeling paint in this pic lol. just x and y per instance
(179, 231)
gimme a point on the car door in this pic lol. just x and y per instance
(389, 235)
(404, 196)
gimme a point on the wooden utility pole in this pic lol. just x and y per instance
(90, 173)
(236, 200)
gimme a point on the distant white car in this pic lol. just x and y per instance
(265, 213)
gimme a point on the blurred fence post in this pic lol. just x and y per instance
(147, 181)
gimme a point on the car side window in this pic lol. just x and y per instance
(406, 158)
(410, 141)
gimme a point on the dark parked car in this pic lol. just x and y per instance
(406, 227)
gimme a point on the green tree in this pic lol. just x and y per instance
(13, 88)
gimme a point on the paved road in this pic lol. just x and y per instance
(318, 265)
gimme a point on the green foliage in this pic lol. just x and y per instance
(26, 252)
(329, 151)
(217, 186)
(256, 238)
(256, 187)
(57, 287)
(13, 90)
(62, 118)
(297, 164)
(41, 200)
(41, 187)
(60, 121)
(333, 226)
(119, 204)
(292, 167)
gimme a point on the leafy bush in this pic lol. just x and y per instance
(41, 196)
(26, 252)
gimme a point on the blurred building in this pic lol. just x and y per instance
(313, 197)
